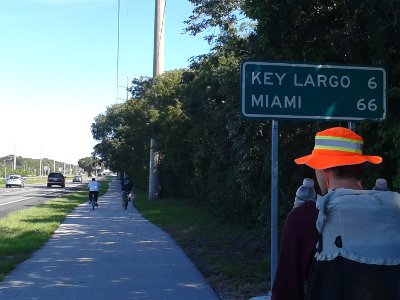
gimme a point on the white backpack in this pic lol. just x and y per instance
(360, 225)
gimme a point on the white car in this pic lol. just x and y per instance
(15, 180)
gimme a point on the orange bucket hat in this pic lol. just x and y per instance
(337, 146)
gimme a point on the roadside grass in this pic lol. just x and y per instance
(232, 258)
(30, 180)
(24, 231)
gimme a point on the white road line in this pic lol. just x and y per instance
(11, 202)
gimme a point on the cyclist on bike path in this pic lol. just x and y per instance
(94, 189)
(126, 187)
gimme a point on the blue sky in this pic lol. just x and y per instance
(58, 67)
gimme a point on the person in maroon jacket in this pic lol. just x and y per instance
(296, 252)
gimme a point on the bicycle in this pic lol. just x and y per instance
(92, 200)
(126, 197)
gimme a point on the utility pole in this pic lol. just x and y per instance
(127, 88)
(40, 163)
(158, 66)
(158, 59)
(15, 156)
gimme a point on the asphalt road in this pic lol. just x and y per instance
(15, 198)
(107, 253)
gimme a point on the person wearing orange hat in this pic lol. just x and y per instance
(358, 241)
(338, 147)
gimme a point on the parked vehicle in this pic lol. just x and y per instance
(15, 180)
(56, 179)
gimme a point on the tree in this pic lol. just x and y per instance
(352, 32)
(87, 164)
(123, 134)
(209, 154)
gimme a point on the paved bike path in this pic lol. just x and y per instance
(108, 253)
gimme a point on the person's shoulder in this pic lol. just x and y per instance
(304, 213)
(305, 207)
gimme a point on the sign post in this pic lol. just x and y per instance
(277, 90)
(274, 198)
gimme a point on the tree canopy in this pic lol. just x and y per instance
(208, 153)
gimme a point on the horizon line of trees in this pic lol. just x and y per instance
(31, 166)
(208, 154)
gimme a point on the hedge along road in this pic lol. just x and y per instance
(108, 253)
(15, 198)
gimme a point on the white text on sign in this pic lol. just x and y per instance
(310, 80)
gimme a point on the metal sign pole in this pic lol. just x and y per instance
(274, 200)
(352, 126)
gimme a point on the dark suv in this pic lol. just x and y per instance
(56, 179)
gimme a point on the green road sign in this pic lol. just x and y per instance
(272, 90)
